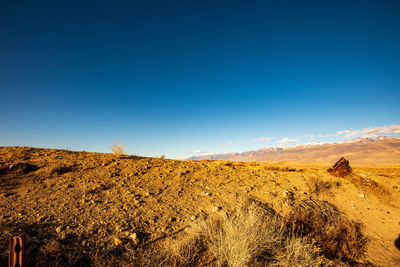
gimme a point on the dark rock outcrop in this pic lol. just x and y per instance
(341, 168)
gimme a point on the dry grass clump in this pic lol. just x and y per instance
(300, 252)
(49, 254)
(280, 168)
(318, 186)
(186, 250)
(118, 148)
(238, 239)
(338, 237)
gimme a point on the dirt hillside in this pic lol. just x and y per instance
(91, 204)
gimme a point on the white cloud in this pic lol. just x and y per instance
(286, 140)
(309, 136)
(262, 139)
(371, 132)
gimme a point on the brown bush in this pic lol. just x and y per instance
(338, 237)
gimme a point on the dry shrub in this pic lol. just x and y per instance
(253, 163)
(317, 186)
(338, 237)
(118, 148)
(186, 250)
(241, 237)
(300, 252)
(280, 169)
(50, 254)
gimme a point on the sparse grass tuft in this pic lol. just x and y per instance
(318, 186)
(118, 148)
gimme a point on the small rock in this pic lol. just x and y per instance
(193, 218)
(362, 195)
(133, 236)
(215, 209)
(206, 193)
(288, 194)
(118, 242)
(59, 229)
(63, 235)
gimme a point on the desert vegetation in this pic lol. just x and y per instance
(118, 148)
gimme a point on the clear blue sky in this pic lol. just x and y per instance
(174, 77)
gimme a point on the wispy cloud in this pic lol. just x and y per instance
(309, 136)
(286, 141)
(370, 132)
(229, 143)
(199, 152)
(262, 139)
(325, 135)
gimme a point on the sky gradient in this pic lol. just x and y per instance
(181, 78)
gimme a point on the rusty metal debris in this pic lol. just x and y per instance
(17, 251)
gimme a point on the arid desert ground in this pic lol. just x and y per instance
(96, 209)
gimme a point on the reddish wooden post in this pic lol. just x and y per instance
(17, 251)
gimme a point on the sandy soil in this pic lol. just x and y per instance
(91, 201)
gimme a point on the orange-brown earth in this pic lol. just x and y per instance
(87, 203)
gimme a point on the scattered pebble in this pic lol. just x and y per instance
(134, 237)
(215, 209)
(117, 242)
(288, 194)
(362, 195)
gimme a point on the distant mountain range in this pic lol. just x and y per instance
(379, 150)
